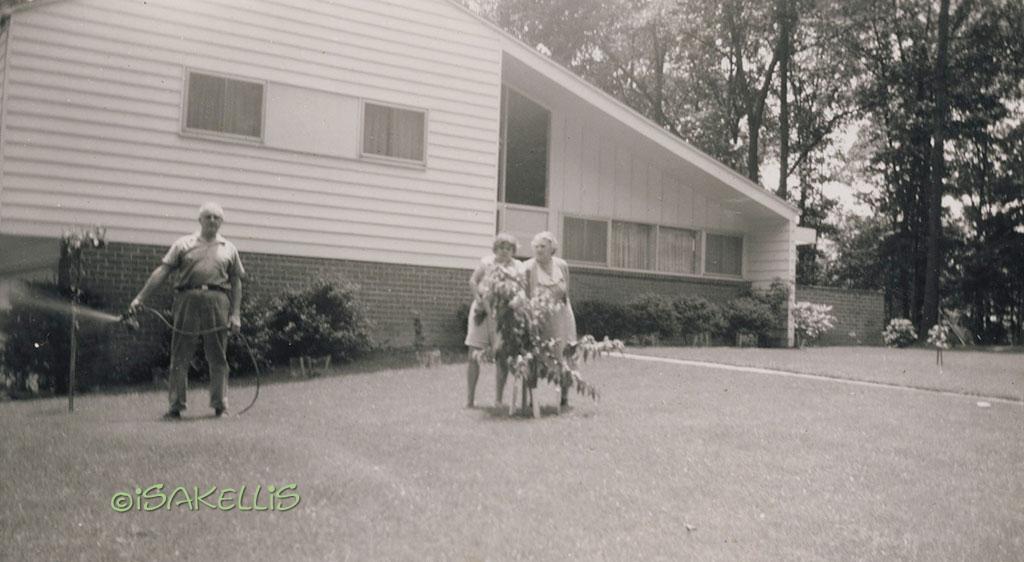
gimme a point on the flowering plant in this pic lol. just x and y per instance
(938, 336)
(521, 345)
(811, 320)
(899, 333)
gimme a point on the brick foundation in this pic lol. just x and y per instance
(860, 315)
(390, 292)
(622, 286)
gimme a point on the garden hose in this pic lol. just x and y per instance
(129, 320)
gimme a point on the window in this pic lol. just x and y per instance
(648, 247)
(632, 245)
(677, 250)
(524, 161)
(724, 254)
(216, 104)
(393, 132)
(585, 240)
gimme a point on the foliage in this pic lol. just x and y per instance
(38, 337)
(523, 349)
(938, 336)
(899, 333)
(896, 48)
(812, 320)
(698, 315)
(654, 314)
(748, 316)
(603, 319)
(323, 319)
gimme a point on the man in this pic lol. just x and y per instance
(207, 301)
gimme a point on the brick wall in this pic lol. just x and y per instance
(860, 315)
(621, 286)
(390, 291)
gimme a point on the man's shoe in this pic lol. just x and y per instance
(220, 412)
(172, 415)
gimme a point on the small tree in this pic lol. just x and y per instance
(938, 336)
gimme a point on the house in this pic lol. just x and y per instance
(382, 141)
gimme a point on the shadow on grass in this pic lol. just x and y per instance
(501, 412)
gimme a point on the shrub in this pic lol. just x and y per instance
(748, 316)
(697, 315)
(603, 319)
(899, 333)
(323, 319)
(38, 329)
(653, 314)
(811, 320)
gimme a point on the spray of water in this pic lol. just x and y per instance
(61, 306)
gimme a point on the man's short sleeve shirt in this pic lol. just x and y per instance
(198, 262)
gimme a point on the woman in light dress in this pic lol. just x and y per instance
(484, 335)
(549, 274)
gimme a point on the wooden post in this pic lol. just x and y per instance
(74, 353)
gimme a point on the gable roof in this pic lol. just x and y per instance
(626, 115)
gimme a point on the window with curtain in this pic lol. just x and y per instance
(724, 254)
(677, 250)
(633, 245)
(393, 132)
(585, 240)
(224, 105)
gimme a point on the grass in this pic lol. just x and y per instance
(978, 371)
(675, 462)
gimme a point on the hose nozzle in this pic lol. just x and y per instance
(129, 320)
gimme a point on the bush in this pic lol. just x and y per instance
(654, 314)
(811, 320)
(748, 316)
(697, 315)
(603, 319)
(899, 333)
(323, 319)
(38, 332)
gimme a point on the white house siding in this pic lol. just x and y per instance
(600, 168)
(93, 121)
(770, 254)
(3, 75)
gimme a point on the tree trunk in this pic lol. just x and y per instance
(786, 26)
(933, 266)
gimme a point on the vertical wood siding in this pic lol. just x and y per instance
(93, 119)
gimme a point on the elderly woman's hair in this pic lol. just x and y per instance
(541, 236)
(505, 238)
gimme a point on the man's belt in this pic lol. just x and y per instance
(201, 288)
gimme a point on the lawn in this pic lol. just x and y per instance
(995, 373)
(674, 462)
